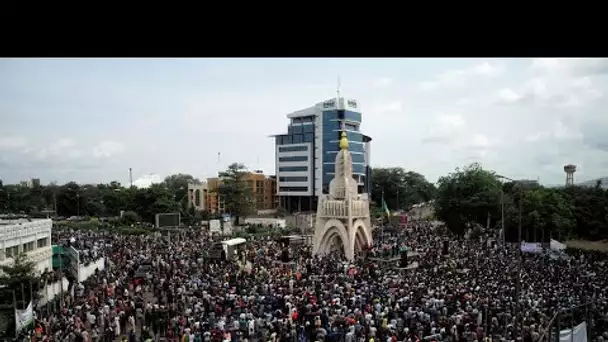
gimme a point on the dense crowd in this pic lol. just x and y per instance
(467, 294)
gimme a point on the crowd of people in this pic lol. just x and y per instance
(470, 293)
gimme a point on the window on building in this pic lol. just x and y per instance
(293, 168)
(297, 129)
(293, 179)
(351, 127)
(12, 252)
(28, 246)
(293, 189)
(309, 128)
(352, 116)
(197, 197)
(293, 148)
(298, 138)
(293, 159)
(309, 137)
(42, 242)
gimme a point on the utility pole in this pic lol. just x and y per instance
(519, 267)
(502, 212)
(78, 205)
(130, 177)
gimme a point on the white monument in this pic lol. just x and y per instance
(343, 221)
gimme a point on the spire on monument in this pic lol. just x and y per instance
(343, 141)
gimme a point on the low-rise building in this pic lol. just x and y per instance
(263, 191)
(197, 196)
(32, 237)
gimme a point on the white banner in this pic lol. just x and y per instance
(531, 247)
(580, 334)
(23, 317)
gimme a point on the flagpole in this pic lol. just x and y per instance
(15, 304)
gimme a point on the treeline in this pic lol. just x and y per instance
(108, 200)
(473, 195)
(464, 198)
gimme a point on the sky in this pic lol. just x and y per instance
(90, 120)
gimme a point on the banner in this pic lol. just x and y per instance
(531, 247)
(23, 318)
(580, 334)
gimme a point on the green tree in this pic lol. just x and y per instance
(18, 277)
(235, 191)
(466, 196)
(401, 189)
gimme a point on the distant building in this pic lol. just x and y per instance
(305, 156)
(33, 183)
(197, 196)
(207, 195)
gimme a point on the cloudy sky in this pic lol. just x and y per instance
(89, 120)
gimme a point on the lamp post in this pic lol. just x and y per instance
(518, 320)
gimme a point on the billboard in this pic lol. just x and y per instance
(167, 220)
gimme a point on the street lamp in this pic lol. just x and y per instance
(519, 253)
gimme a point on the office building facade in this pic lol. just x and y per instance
(305, 156)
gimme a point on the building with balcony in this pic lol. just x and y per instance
(32, 237)
(305, 156)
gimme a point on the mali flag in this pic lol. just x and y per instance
(385, 208)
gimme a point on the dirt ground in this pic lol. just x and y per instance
(601, 246)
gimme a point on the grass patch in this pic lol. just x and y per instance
(598, 246)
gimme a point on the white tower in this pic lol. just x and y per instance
(343, 221)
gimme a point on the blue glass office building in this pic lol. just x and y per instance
(305, 156)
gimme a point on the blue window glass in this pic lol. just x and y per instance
(309, 137)
(293, 168)
(293, 189)
(358, 158)
(351, 127)
(327, 168)
(309, 128)
(293, 179)
(330, 115)
(293, 159)
(298, 139)
(352, 116)
(293, 148)
(297, 129)
(359, 168)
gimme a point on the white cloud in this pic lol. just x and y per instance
(395, 106)
(573, 67)
(146, 180)
(461, 77)
(383, 82)
(551, 90)
(445, 128)
(12, 142)
(108, 149)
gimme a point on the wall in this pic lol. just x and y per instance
(86, 271)
(303, 221)
(54, 289)
(267, 222)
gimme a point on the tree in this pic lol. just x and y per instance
(235, 191)
(467, 197)
(18, 277)
(401, 189)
